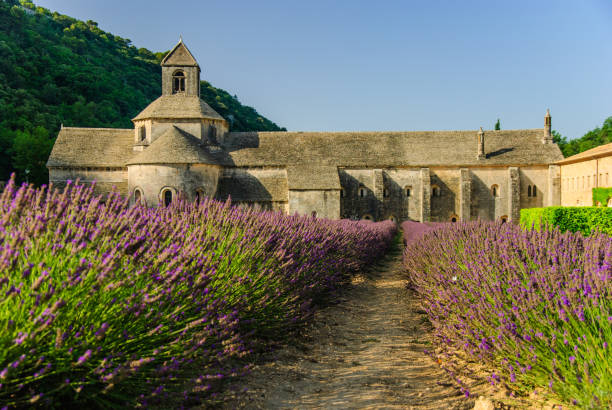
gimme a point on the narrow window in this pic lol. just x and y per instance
(528, 190)
(198, 196)
(167, 197)
(504, 219)
(362, 192)
(137, 197)
(534, 191)
(435, 191)
(342, 193)
(178, 82)
(385, 192)
(495, 190)
(408, 191)
(142, 133)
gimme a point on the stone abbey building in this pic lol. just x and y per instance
(179, 144)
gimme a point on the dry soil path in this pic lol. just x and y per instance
(365, 352)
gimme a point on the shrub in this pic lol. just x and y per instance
(574, 219)
(601, 196)
(106, 305)
(534, 306)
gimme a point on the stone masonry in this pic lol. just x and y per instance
(181, 146)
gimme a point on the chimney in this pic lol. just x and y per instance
(481, 151)
(547, 129)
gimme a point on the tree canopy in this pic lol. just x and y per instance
(55, 70)
(598, 136)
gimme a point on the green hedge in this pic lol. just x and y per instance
(601, 195)
(575, 219)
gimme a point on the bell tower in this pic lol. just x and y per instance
(180, 72)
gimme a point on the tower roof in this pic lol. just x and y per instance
(174, 146)
(179, 56)
(178, 106)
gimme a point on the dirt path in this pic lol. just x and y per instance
(364, 352)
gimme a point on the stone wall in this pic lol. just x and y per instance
(534, 177)
(579, 178)
(319, 203)
(485, 205)
(447, 204)
(192, 79)
(105, 178)
(153, 180)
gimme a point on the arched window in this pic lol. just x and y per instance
(362, 192)
(392, 218)
(385, 192)
(212, 133)
(435, 190)
(529, 190)
(178, 82)
(167, 197)
(504, 219)
(408, 191)
(138, 197)
(199, 195)
(454, 218)
(534, 191)
(495, 190)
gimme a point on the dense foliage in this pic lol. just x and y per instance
(534, 306)
(104, 304)
(574, 219)
(55, 69)
(601, 196)
(594, 138)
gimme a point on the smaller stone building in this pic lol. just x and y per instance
(582, 172)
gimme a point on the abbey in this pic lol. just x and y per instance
(179, 144)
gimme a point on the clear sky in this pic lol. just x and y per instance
(349, 65)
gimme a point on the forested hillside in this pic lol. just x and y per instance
(55, 69)
(598, 136)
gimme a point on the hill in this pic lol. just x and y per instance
(55, 69)
(598, 136)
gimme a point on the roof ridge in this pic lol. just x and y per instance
(383, 132)
(96, 129)
(174, 49)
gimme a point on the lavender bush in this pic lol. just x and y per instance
(535, 307)
(110, 305)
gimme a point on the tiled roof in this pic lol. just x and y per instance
(174, 146)
(92, 147)
(390, 149)
(600, 151)
(178, 106)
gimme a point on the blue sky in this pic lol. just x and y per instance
(389, 65)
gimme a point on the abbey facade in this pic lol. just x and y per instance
(180, 145)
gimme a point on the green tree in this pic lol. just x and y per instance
(55, 69)
(497, 125)
(30, 153)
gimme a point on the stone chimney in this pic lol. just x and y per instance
(547, 129)
(481, 151)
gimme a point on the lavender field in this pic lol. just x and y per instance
(107, 305)
(534, 307)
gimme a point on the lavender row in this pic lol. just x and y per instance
(535, 307)
(106, 304)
